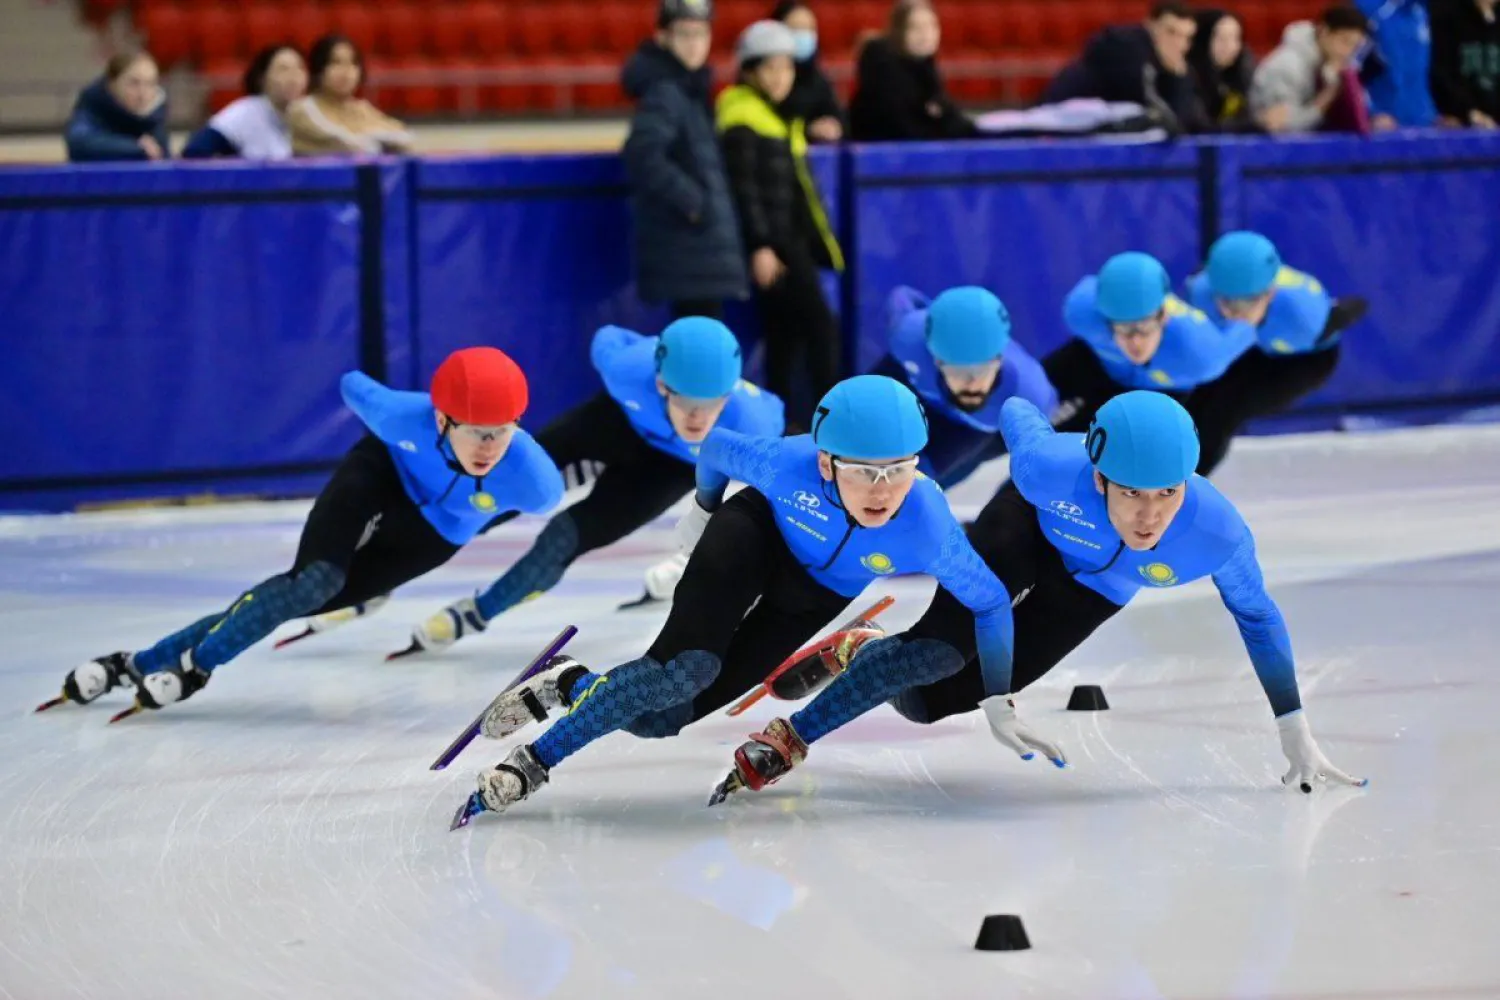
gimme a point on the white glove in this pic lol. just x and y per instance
(661, 579)
(1000, 710)
(1309, 765)
(691, 527)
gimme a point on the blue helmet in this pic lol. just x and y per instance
(698, 357)
(1132, 286)
(1143, 440)
(967, 326)
(870, 417)
(1242, 265)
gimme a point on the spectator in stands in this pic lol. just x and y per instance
(1466, 62)
(812, 98)
(122, 115)
(1143, 64)
(333, 118)
(1311, 76)
(255, 126)
(1222, 69)
(687, 240)
(900, 95)
(1395, 67)
(781, 213)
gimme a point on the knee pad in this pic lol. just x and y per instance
(912, 706)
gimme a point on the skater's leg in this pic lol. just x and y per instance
(1256, 385)
(1082, 385)
(725, 576)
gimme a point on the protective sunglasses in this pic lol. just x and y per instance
(481, 434)
(896, 473)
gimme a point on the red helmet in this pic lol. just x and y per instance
(480, 385)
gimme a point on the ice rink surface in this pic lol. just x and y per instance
(280, 836)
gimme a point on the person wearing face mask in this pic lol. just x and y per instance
(1131, 332)
(823, 515)
(1086, 523)
(958, 356)
(782, 218)
(254, 126)
(1143, 64)
(661, 397)
(333, 118)
(434, 469)
(812, 97)
(1297, 327)
(900, 94)
(122, 115)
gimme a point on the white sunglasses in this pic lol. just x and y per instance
(896, 473)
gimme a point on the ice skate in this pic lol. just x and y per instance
(88, 681)
(763, 760)
(508, 782)
(164, 687)
(443, 629)
(333, 619)
(532, 699)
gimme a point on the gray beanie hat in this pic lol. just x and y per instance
(764, 39)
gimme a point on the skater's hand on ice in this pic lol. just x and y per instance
(1309, 765)
(766, 267)
(1000, 710)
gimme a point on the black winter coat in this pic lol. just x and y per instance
(687, 240)
(1120, 64)
(812, 96)
(902, 98)
(778, 202)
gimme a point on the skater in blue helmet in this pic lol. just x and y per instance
(1086, 523)
(824, 515)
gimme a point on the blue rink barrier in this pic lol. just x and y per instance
(176, 329)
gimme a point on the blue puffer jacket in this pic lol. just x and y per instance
(1402, 45)
(101, 129)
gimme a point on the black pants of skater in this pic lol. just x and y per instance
(800, 333)
(638, 483)
(1082, 385)
(746, 599)
(1256, 385)
(712, 308)
(1053, 612)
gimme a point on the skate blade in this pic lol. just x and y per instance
(473, 806)
(750, 699)
(283, 643)
(53, 703)
(135, 709)
(401, 654)
(644, 601)
(732, 783)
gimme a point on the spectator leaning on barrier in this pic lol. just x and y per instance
(1466, 61)
(781, 213)
(1309, 83)
(255, 126)
(122, 115)
(1221, 68)
(812, 98)
(333, 118)
(687, 241)
(900, 94)
(1396, 64)
(1143, 64)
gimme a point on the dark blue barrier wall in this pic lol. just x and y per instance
(167, 327)
(1024, 221)
(173, 329)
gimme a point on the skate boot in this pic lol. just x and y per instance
(443, 629)
(94, 678)
(763, 760)
(513, 779)
(333, 619)
(165, 687)
(530, 700)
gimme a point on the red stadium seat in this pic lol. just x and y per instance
(987, 28)
(577, 28)
(731, 18)
(306, 23)
(402, 30)
(228, 88)
(536, 27)
(452, 30)
(357, 22)
(265, 24)
(623, 26)
(835, 29)
(417, 98)
(1023, 26)
(605, 94)
(491, 28)
(218, 34)
(1058, 30)
(168, 35)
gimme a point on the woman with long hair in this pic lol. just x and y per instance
(901, 94)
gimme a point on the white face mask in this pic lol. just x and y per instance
(806, 42)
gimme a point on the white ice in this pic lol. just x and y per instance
(280, 835)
